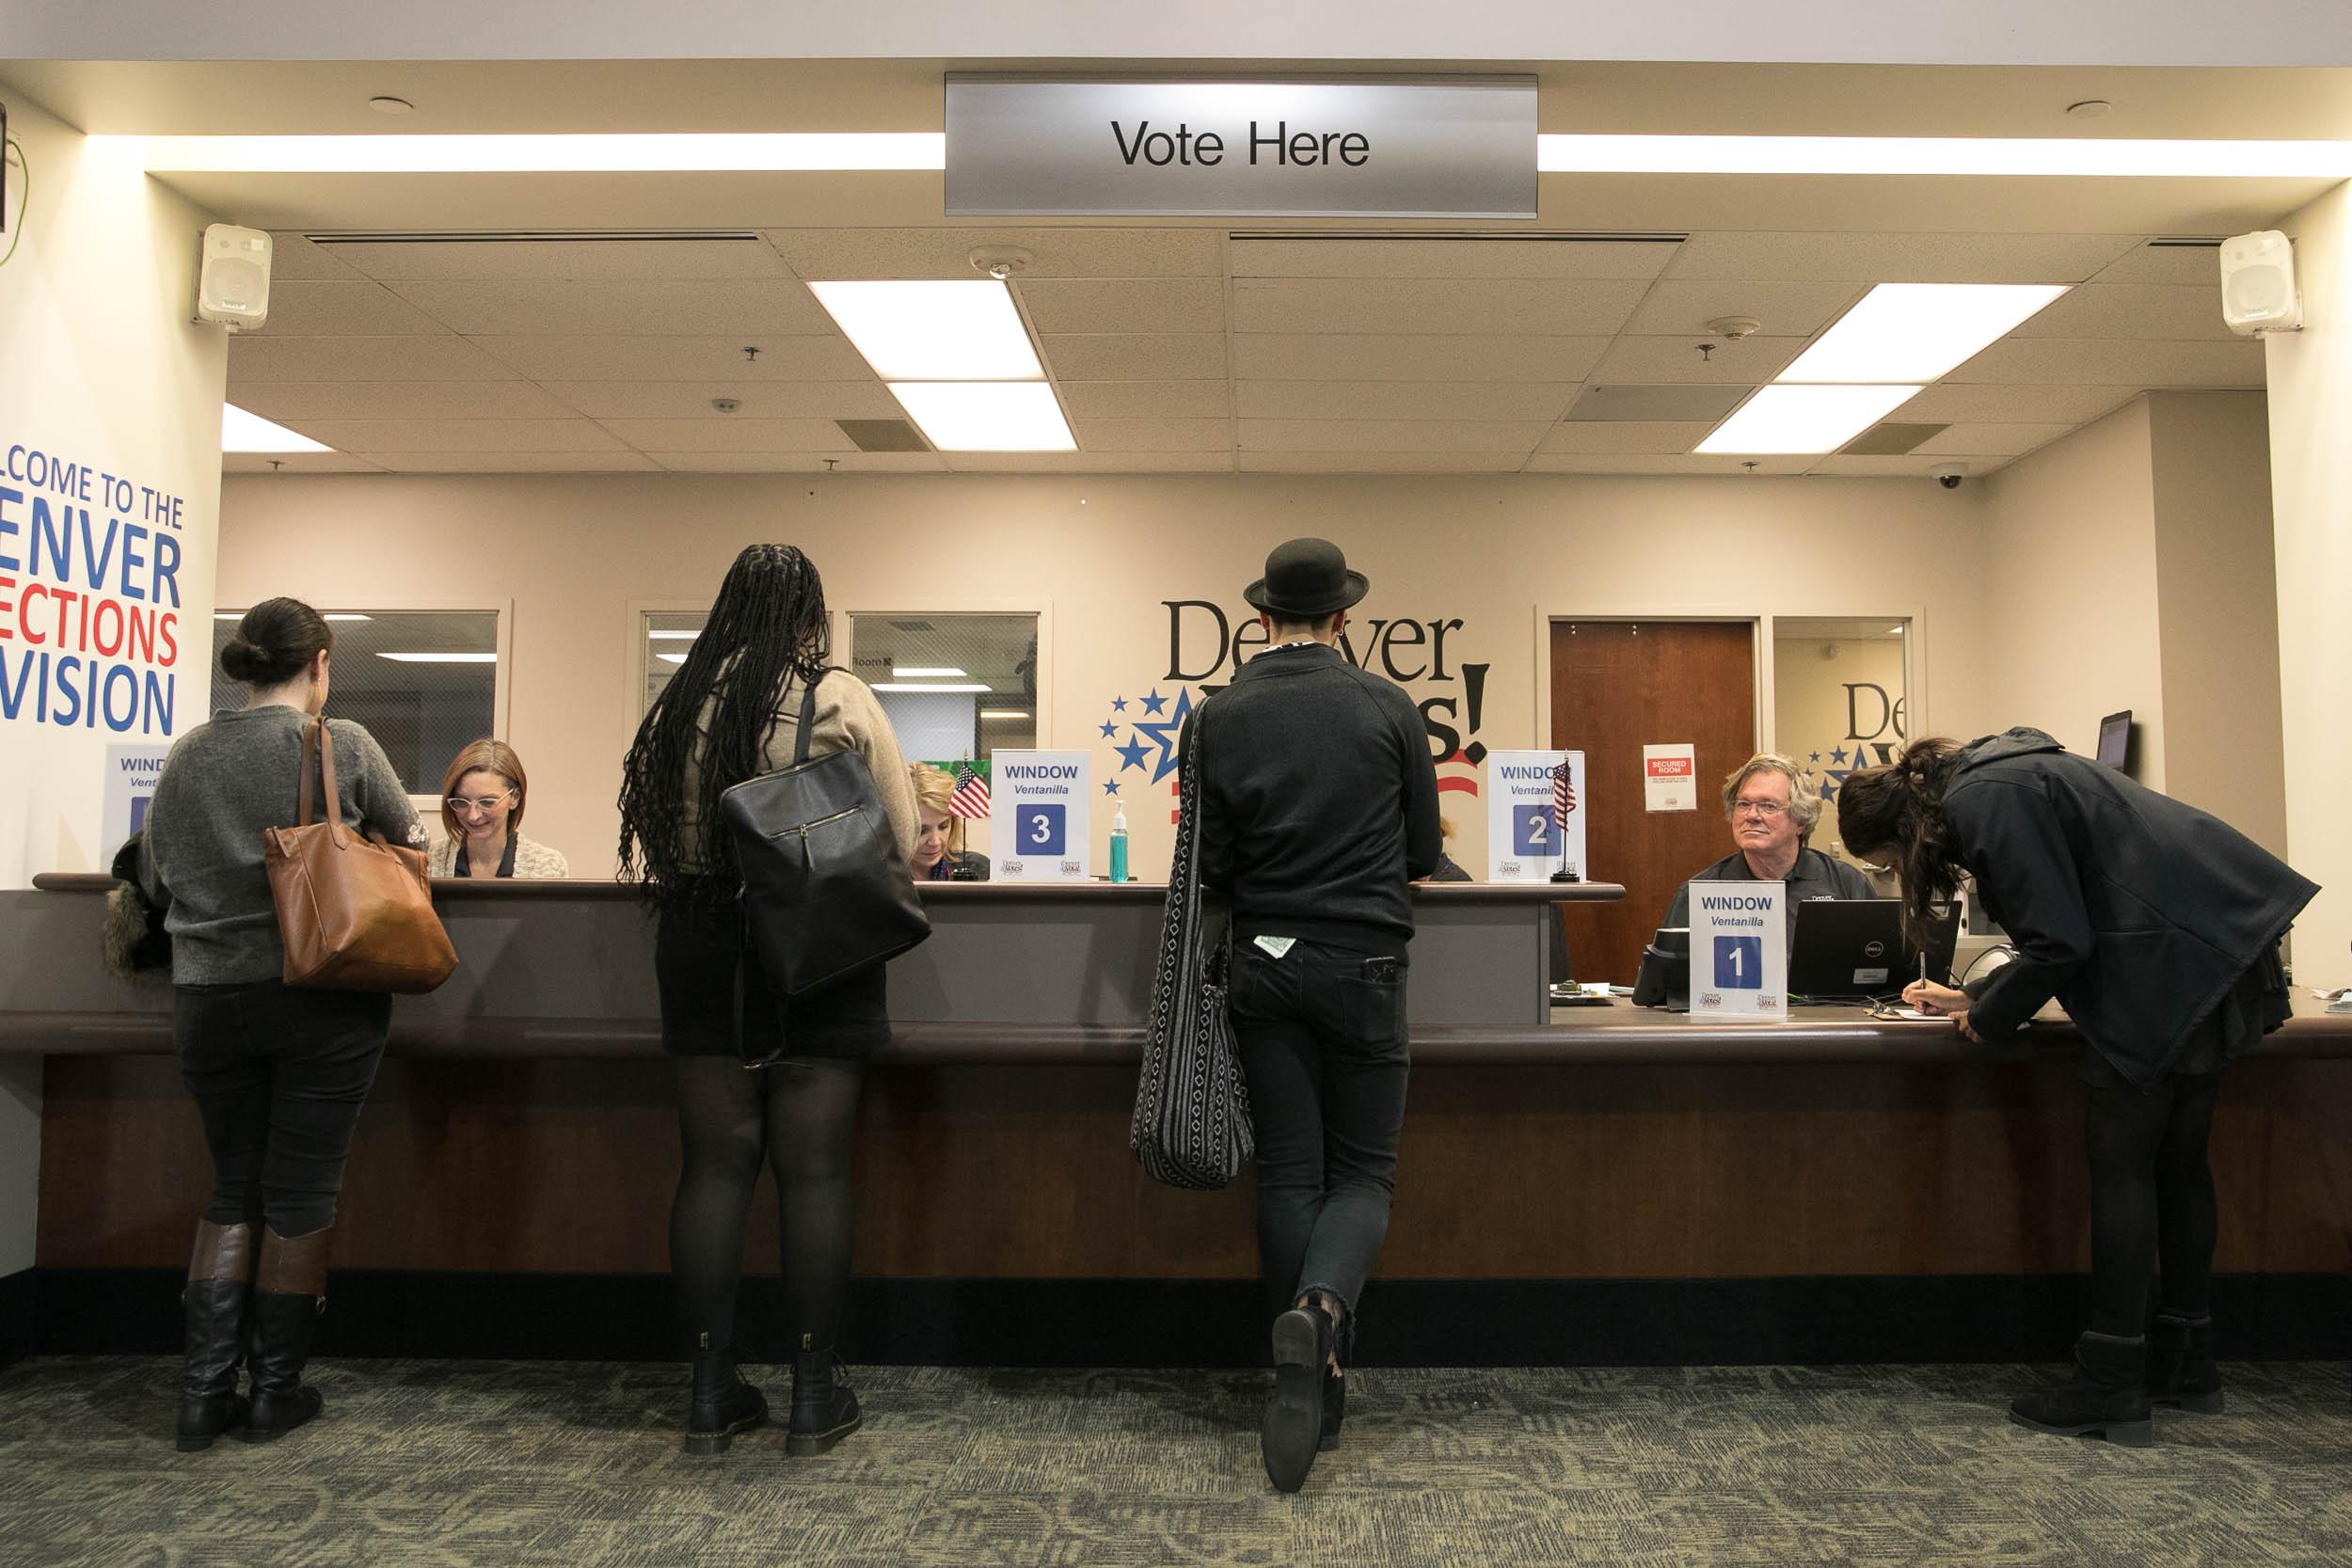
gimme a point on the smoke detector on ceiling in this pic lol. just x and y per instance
(1735, 327)
(1001, 261)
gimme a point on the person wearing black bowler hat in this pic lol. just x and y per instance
(1318, 805)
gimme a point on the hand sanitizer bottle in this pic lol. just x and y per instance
(1119, 843)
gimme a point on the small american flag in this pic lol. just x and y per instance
(971, 797)
(1562, 793)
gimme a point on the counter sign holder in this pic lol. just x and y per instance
(1038, 826)
(1739, 948)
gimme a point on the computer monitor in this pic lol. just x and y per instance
(2114, 740)
(1856, 947)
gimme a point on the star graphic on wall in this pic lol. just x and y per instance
(1111, 731)
(1815, 757)
(1838, 754)
(1133, 754)
(1153, 703)
(1119, 704)
(1110, 788)
(1163, 733)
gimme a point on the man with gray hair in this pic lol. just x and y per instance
(1771, 811)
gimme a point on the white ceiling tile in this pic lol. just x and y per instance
(397, 400)
(1912, 466)
(2166, 264)
(761, 400)
(371, 437)
(1653, 361)
(1548, 308)
(1988, 440)
(618, 461)
(1336, 357)
(1682, 309)
(296, 463)
(292, 255)
(1134, 356)
(1859, 258)
(2113, 361)
(1154, 435)
(354, 308)
(845, 459)
(262, 357)
(1661, 462)
(1125, 304)
(1089, 462)
(2163, 311)
(1950, 402)
(1425, 436)
(752, 307)
(1627, 436)
(1379, 462)
(787, 357)
(1145, 400)
(876, 253)
(614, 260)
(1403, 400)
(731, 433)
(1465, 257)
(1677, 404)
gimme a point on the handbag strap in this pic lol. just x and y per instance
(808, 714)
(315, 737)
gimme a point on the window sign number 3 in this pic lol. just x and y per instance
(1041, 829)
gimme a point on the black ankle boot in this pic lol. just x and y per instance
(2180, 1367)
(1291, 1433)
(219, 1286)
(1334, 1408)
(824, 1411)
(289, 1294)
(724, 1405)
(2107, 1394)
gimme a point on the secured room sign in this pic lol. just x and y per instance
(1459, 147)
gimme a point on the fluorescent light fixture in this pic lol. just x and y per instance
(440, 659)
(345, 615)
(1003, 713)
(790, 150)
(1003, 416)
(1963, 155)
(672, 658)
(1896, 630)
(918, 671)
(244, 431)
(1914, 332)
(227, 615)
(672, 636)
(1801, 419)
(893, 686)
(935, 329)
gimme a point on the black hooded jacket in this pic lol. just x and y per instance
(2137, 913)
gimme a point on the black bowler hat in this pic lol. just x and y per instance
(1306, 578)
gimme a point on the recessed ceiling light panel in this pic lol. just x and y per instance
(1914, 332)
(932, 329)
(965, 416)
(1801, 420)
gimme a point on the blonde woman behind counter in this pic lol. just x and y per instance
(936, 858)
(483, 795)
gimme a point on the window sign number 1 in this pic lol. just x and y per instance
(1739, 963)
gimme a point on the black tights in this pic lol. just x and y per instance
(797, 1115)
(2151, 1193)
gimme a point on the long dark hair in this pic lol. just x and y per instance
(1896, 812)
(767, 626)
(275, 641)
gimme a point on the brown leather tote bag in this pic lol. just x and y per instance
(355, 914)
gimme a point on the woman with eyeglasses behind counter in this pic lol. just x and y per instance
(483, 795)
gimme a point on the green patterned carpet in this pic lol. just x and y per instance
(540, 1463)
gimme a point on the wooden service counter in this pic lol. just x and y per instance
(1587, 1183)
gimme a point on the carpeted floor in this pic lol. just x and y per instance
(465, 1462)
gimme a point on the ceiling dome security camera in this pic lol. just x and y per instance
(1948, 474)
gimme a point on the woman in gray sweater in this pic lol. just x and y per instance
(279, 1074)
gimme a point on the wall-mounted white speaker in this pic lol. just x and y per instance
(232, 279)
(2258, 284)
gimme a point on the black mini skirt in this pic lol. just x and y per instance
(699, 954)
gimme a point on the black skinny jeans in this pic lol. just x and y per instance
(278, 1077)
(1324, 1046)
(2151, 1195)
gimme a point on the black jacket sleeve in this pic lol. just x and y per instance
(2011, 838)
(1424, 835)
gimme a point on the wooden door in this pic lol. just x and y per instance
(1617, 685)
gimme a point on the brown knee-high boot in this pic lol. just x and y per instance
(289, 1294)
(215, 1302)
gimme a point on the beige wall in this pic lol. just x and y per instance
(2069, 584)
(1810, 707)
(574, 553)
(2311, 412)
(2218, 608)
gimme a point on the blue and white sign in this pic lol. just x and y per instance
(1038, 828)
(1527, 839)
(1739, 948)
(130, 775)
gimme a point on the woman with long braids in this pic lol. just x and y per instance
(731, 713)
(2157, 927)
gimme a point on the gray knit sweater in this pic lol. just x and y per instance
(223, 784)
